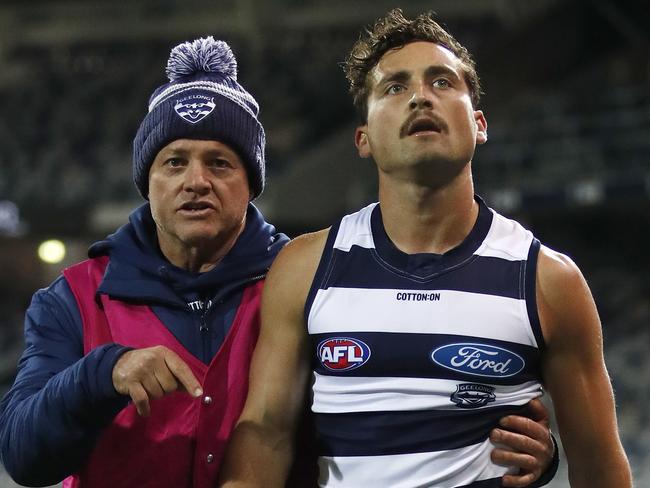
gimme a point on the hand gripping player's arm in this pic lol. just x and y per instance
(531, 447)
(575, 375)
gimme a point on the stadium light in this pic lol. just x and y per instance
(51, 251)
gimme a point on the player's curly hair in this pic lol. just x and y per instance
(394, 31)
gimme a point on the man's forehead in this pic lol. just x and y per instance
(195, 145)
(415, 56)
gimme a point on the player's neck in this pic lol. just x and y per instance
(418, 219)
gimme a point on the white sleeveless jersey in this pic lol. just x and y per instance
(417, 357)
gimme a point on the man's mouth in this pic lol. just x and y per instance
(422, 123)
(196, 207)
(423, 126)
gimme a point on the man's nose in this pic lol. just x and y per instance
(421, 99)
(196, 178)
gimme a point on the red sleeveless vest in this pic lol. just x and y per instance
(182, 442)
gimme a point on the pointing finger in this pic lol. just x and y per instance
(166, 379)
(184, 374)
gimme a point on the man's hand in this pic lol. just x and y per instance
(530, 441)
(145, 374)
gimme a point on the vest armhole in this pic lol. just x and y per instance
(84, 278)
(320, 278)
(530, 282)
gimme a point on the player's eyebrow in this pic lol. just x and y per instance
(401, 76)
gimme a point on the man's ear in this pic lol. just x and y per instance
(481, 126)
(361, 141)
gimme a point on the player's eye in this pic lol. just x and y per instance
(394, 89)
(441, 83)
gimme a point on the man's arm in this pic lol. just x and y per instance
(576, 377)
(60, 400)
(260, 450)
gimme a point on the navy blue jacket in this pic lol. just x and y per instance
(61, 400)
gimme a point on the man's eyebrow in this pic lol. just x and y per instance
(401, 76)
(175, 151)
(439, 69)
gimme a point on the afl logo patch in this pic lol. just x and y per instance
(478, 360)
(194, 109)
(342, 353)
(472, 395)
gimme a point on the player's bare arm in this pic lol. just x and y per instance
(261, 447)
(575, 375)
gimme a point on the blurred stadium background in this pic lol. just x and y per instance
(567, 100)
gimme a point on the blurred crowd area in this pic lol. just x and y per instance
(567, 101)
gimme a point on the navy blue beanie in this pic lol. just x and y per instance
(201, 101)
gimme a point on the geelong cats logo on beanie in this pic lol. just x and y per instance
(194, 109)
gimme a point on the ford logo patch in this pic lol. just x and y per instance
(478, 360)
(342, 353)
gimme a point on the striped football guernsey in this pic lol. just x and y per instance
(417, 357)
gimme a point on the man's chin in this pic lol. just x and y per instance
(430, 170)
(199, 239)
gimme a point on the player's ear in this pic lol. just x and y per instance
(481, 126)
(361, 141)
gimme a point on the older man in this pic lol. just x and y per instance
(166, 306)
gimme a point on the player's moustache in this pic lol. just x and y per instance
(435, 120)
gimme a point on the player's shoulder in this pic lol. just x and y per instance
(303, 249)
(565, 304)
(291, 274)
(300, 257)
(556, 270)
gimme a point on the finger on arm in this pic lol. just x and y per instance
(527, 444)
(528, 447)
(537, 411)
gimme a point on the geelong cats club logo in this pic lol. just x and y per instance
(342, 353)
(478, 360)
(194, 109)
(472, 395)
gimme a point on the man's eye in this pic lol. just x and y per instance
(441, 83)
(219, 163)
(393, 89)
(174, 162)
